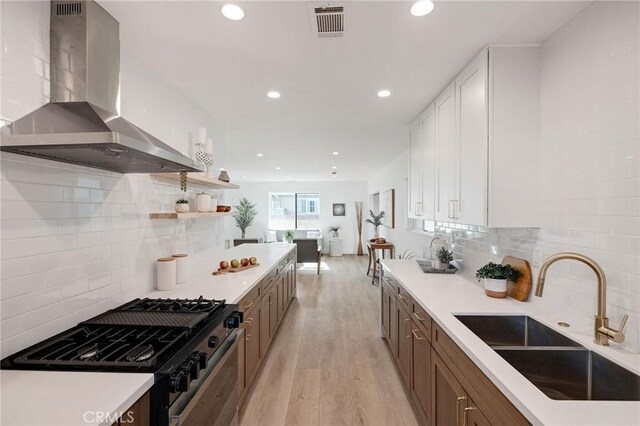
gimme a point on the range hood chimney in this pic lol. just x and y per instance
(82, 125)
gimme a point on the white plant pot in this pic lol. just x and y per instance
(495, 288)
(182, 208)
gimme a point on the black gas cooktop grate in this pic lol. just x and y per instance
(151, 319)
(174, 305)
(92, 346)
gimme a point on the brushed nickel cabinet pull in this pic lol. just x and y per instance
(415, 314)
(460, 398)
(416, 335)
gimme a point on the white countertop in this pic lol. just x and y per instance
(67, 398)
(55, 398)
(442, 296)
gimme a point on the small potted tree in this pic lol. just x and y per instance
(335, 243)
(495, 278)
(376, 221)
(182, 205)
(444, 257)
(289, 235)
(246, 214)
(335, 230)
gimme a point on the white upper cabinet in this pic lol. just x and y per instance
(444, 195)
(481, 138)
(415, 170)
(428, 131)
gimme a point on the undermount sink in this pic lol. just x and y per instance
(560, 367)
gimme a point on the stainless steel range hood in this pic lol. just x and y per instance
(81, 124)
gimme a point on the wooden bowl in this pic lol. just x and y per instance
(223, 209)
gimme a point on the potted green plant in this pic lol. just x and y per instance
(495, 278)
(246, 213)
(376, 221)
(289, 235)
(444, 257)
(335, 230)
(182, 205)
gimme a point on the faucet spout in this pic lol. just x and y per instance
(603, 333)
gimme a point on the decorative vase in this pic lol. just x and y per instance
(223, 176)
(182, 207)
(495, 288)
(201, 156)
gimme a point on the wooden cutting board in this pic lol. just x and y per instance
(232, 270)
(520, 289)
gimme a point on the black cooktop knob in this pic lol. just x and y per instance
(213, 341)
(201, 358)
(191, 369)
(179, 381)
(233, 321)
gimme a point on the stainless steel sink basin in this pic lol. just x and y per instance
(574, 374)
(513, 330)
(560, 367)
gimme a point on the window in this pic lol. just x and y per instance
(294, 210)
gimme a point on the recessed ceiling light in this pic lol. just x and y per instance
(333, 175)
(273, 95)
(422, 7)
(384, 93)
(334, 167)
(335, 153)
(233, 12)
(277, 168)
(259, 155)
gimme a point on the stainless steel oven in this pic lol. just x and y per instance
(213, 398)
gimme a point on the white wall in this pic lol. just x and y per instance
(330, 192)
(76, 241)
(590, 174)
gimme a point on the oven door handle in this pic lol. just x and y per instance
(181, 409)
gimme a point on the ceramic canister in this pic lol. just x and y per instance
(214, 204)
(182, 267)
(166, 268)
(203, 202)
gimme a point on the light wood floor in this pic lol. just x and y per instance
(328, 366)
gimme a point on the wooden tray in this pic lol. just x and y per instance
(520, 289)
(233, 270)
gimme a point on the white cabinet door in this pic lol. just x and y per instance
(428, 129)
(445, 154)
(472, 142)
(415, 171)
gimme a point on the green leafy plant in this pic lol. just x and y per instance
(182, 201)
(246, 214)
(335, 230)
(407, 254)
(498, 272)
(289, 235)
(376, 219)
(444, 255)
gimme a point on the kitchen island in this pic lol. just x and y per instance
(431, 301)
(78, 398)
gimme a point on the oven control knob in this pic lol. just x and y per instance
(201, 359)
(232, 321)
(191, 369)
(213, 341)
(179, 381)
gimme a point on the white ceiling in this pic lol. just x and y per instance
(328, 87)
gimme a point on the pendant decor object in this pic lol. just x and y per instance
(224, 177)
(183, 181)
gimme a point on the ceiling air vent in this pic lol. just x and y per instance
(68, 9)
(329, 21)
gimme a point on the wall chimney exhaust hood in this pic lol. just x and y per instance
(81, 125)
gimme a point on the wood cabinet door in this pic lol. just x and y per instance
(272, 295)
(404, 344)
(393, 325)
(265, 326)
(252, 342)
(473, 416)
(428, 134)
(472, 142)
(444, 109)
(421, 373)
(449, 399)
(281, 296)
(384, 307)
(415, 170)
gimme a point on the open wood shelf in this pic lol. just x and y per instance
(190, 215)
(198, 180)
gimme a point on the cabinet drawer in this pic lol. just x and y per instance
(404, 298)
(268, 281)
(251, 299)
(392, 283)
(422, 319)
